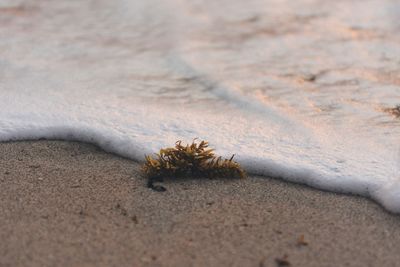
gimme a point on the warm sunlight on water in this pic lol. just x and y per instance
(296, 89)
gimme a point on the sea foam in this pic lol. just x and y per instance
(295, 93)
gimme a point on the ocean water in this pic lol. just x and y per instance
(298, 90)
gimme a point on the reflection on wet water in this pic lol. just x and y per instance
(334, 62)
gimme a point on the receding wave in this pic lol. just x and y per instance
(298, 91)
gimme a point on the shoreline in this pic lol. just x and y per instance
(69, 203)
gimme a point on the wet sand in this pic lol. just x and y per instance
(72, 204)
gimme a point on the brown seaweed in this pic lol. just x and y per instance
(393, 111)
(191, 160)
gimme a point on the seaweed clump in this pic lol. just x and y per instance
(195, 160)
(394, 111)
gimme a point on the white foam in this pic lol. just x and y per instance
(135, 76)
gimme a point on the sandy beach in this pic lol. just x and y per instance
(72, 204)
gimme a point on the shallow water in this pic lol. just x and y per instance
(296, 89)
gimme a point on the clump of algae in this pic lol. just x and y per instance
(194, 160)
(394, 111)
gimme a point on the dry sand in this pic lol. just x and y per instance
(72, 204)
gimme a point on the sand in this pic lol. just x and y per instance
(72, 204)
